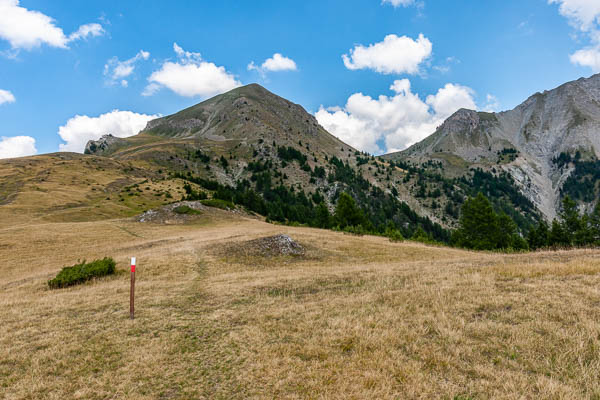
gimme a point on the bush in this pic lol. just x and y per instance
(421, 236)
(394, 235)
(218, 203)
(355, 230)
(83, 272)
(183, 209)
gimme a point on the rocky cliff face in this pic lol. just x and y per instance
(102, 145)
(562, 120)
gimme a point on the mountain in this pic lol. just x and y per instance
(245, 115)
(253, 147)
(549, 145)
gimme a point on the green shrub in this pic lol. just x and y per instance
(82, 272)
(218, 203)
(422, 237)
(183, 209)
(355, 230)
(394, 235)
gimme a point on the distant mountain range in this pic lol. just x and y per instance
(252, 142)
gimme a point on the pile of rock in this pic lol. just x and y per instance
(275, 246)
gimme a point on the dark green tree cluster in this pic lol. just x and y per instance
(481, 228)
(582, 184)
(384, 211)
(571, 229)
(289, 154)
(429, 183)
(367, 210)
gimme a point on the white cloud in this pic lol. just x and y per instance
(17, 146)
(27, 29)
(403, 3)
(81, 128)
(6, 97)
(449, 99)
(396, 121)
(589, 57)
(116, 70)
(395, 55)
(584, 15)
(191, 76)
(274, 64)
(492, 104)
(447, 66)
(86, 30)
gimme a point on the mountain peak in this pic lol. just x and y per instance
(240, 113)
(565, 119)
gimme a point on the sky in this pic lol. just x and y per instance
(379, 74)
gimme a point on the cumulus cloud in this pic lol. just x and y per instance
(116, 70)
(274, 64)
(584, 15)
(81, 128)
(86, 30)
(395, 55)
(396, 121)
(589, 57)
(27, 29)
(6, 97)
(17, 146)
(190, 76)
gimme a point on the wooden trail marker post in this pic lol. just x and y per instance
(132, 291)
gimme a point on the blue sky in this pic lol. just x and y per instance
(64, 66)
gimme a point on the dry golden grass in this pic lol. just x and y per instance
(68, 187)
(355, 318)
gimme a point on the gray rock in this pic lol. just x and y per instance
(101, 145)
(565, 119)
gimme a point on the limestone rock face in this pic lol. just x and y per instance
(565, 119)
(102, 145)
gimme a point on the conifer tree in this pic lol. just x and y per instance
(347, 213)
(478, 225)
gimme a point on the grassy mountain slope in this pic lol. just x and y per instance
(74, 187)
(253, 138)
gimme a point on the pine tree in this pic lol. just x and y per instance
(506, 229)
(347, 213)
(323, 217)
(539, 237)
(594, 225)
(584, 235)
(558, 235)
(570, 216)
(478, 225)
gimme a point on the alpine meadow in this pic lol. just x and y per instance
(362, 222)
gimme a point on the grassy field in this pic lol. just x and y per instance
(353, 318)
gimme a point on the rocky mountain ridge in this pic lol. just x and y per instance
(565, 120)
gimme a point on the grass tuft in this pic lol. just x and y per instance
(218, 203)
(186, 210)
